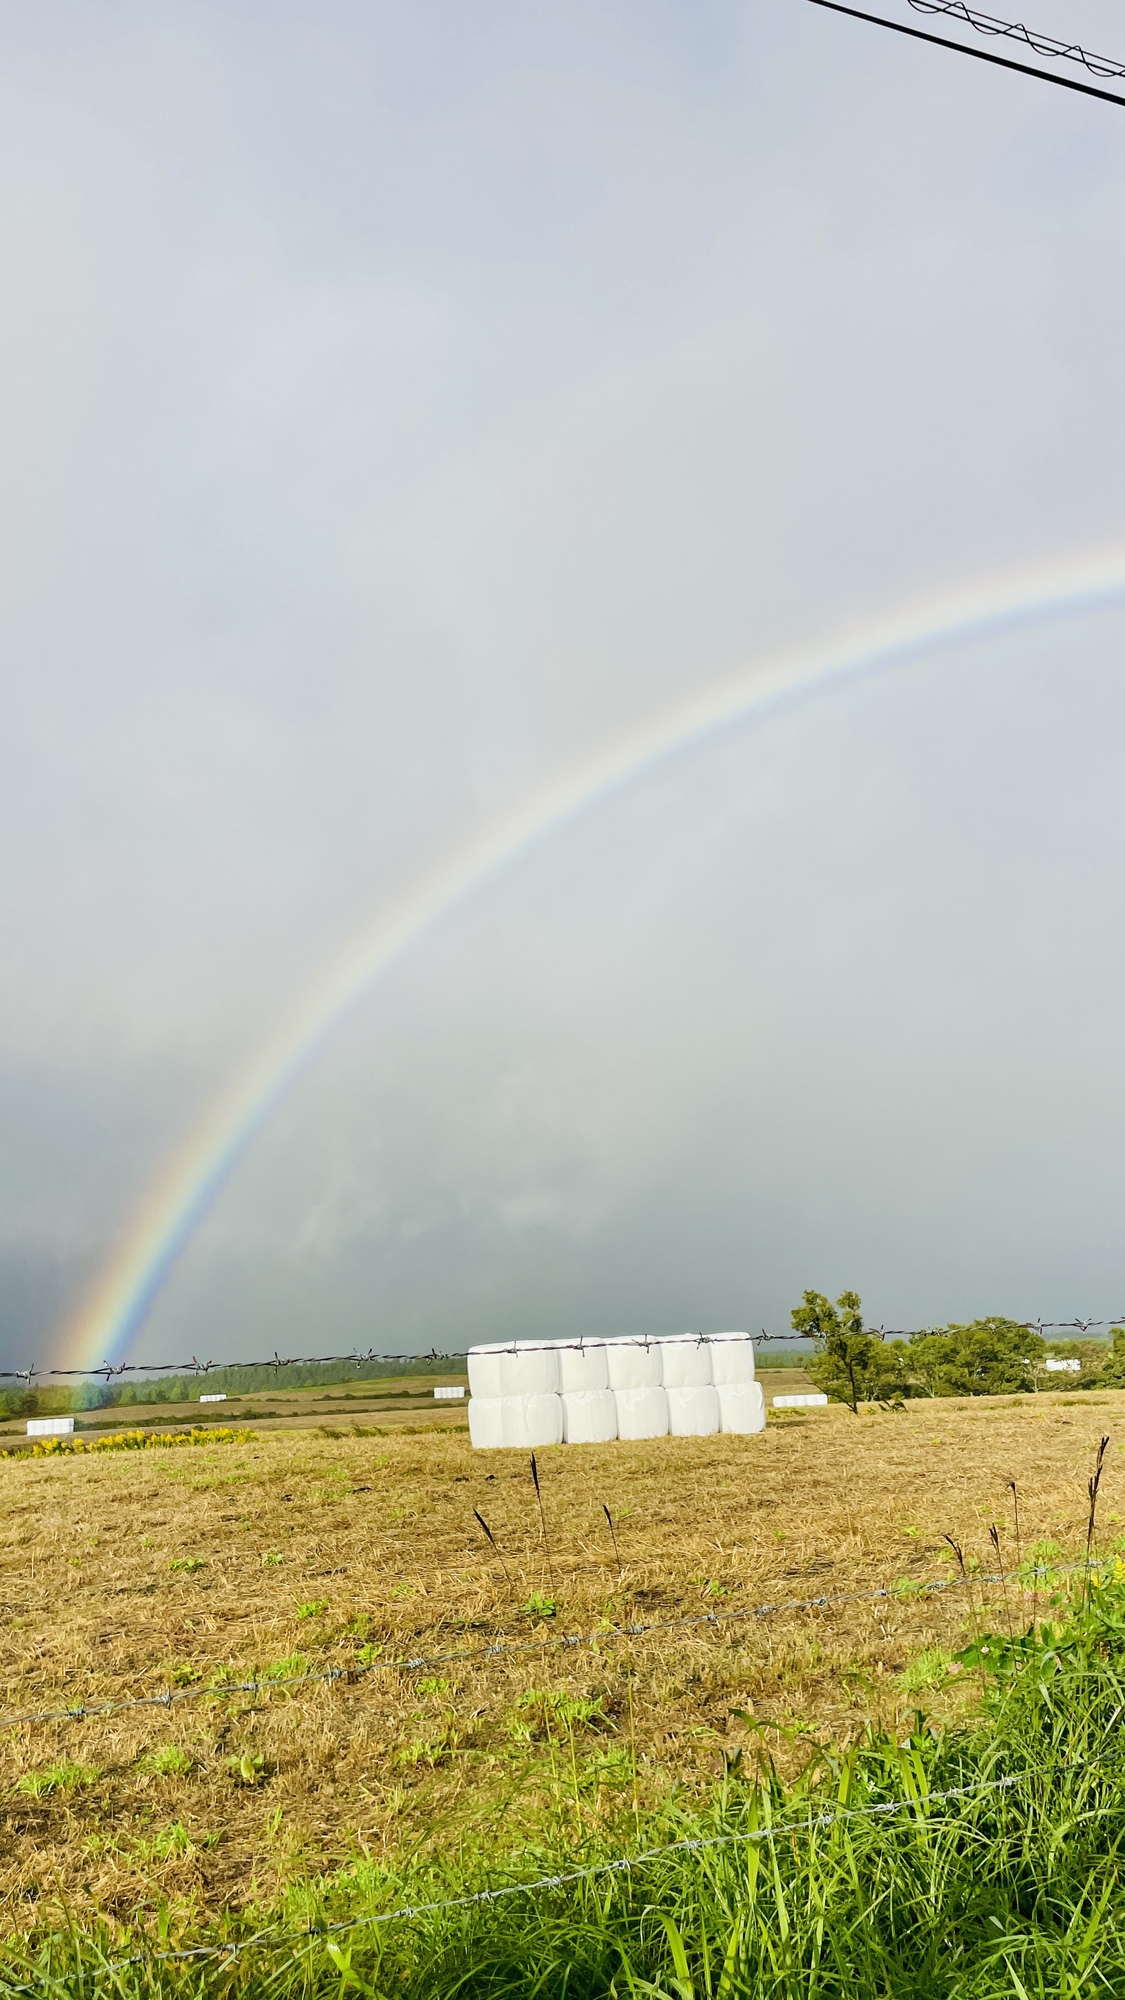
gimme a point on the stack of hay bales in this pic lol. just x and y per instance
(530, 1393)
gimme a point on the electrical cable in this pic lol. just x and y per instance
(1041, 45)
(982, 55)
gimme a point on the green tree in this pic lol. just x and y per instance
(850, 1365)
(987, 1357)
(1113, 1372)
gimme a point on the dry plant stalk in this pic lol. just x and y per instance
(488, 1531)
(542, 1521)
(1092, 1486)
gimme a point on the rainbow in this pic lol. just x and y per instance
(120, 1302)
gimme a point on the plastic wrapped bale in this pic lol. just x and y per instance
(732, 1357)
(693, 1411)
(529, 1369)
(742, 1407)
(633, 1364)
(486, 1422)
(589, 1416)
(641, 1413)
(582, 1367)
(531, 1421)
(484, 1369)
(685, 1361)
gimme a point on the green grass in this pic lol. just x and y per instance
(860, 1880)
(62, 1777)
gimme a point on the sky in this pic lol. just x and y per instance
(401, 402)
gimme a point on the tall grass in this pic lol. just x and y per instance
(857, 1880)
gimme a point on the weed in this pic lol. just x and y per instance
(432, 1750)
(248, 1768)
(269, 1561)
(291, 1668)
(544, 1712)
(75, 1447)
(188, 1563)
(709, 1586)
(63, 1777)
(929, 1671)
(169, 1761)
(172, 1840)
(538, 1606)
(315, 1608)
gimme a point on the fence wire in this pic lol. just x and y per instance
(109, 1371)
(904, 1592)
(279, 1940)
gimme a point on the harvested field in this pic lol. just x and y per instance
(387, 1404)
(127, 1574)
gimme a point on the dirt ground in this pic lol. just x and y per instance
(126, 1574)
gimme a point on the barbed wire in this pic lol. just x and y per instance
(883, 1810)
(905, 1591)
(1041, 45)
(113, 1370)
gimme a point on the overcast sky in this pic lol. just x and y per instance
(400, 401)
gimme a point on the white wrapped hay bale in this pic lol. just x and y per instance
(685, 1361)
(582, 1367)
(693, 1411)
(732, 1357)
(641, 1413)
(633, 1364)
(49, 1427)
(531, 1421)
(742, 1407)
(486, 1422)
(589, 1416)
(484, 1368)
(529, 1368)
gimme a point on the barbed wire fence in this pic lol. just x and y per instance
(111, 1371)
(884, 1811)
(1029, 1576)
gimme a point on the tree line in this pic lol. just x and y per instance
(853, 1364)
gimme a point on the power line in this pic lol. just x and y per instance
(982, 55)
(1042, 45)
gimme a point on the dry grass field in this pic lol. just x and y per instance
(127, 1573)
(387, 1404)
